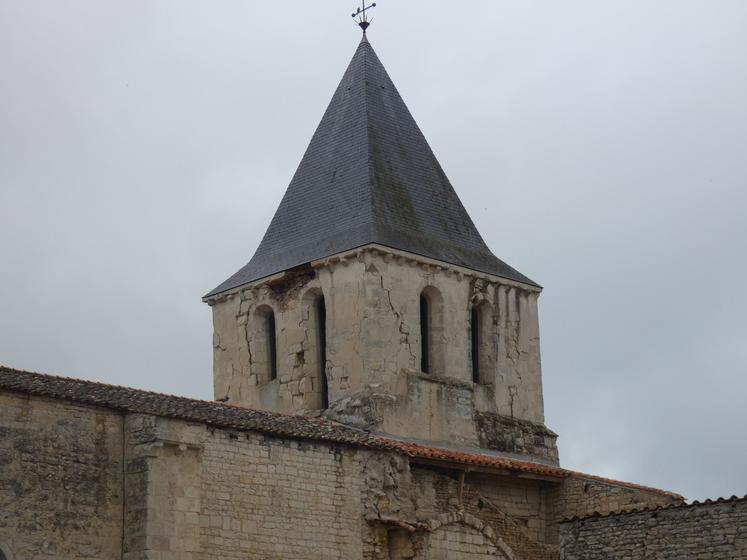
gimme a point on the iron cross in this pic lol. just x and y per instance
(362, 16)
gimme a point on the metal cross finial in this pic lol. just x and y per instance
(362, 16)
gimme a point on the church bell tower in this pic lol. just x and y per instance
(374, 301)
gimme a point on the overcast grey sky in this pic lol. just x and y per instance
(600, 146)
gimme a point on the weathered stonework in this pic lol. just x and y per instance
(373, 351)
(61, 480)
(516, 436)
(707, 531)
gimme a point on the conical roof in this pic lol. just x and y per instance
(369, 176)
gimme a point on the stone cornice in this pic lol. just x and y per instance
(386, 253)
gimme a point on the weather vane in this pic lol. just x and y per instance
(362, 16)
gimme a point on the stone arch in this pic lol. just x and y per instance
(432, 351)
(463, 519)
(4, 554)
(265, 348)
(315, 346)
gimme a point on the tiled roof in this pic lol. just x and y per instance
(369, 176)
(451, 456)
(125, 399)
(651, 509)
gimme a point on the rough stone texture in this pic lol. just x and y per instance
(520, 437)
(514, 509)
(163, 486)
(708, 531)
(582, 495)
(279, 499)
(60, 480)
(373, 350)
(463, 542)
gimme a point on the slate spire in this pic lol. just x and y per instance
(369, 176)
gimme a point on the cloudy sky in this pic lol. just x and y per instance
(600, 146)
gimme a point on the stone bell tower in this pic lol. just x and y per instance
(372, 298)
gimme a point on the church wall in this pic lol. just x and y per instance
(279, 499)
(209, 493)
(224, 494)
(695, 532)
(60, 480)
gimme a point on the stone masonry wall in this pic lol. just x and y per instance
(222, 494)
(372, 300)
(709, 531)
(463, 542)
(278, 499)
(60, 480)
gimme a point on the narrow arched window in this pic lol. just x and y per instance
(425, 349)
(272, 346)
(2, 555)
(475, 328)
(321, 329)
(431, 332)
(482, 343)
(263, 345)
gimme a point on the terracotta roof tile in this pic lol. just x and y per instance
(419, 451)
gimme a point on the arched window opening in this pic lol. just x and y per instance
(321, 329)
(424, 335)
(475, 332)
(272, 347)
(481, 342)
(2, 555)
(264, 347)
(431, 332)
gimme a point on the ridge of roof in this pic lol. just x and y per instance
(654, 509)
(368, 176)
